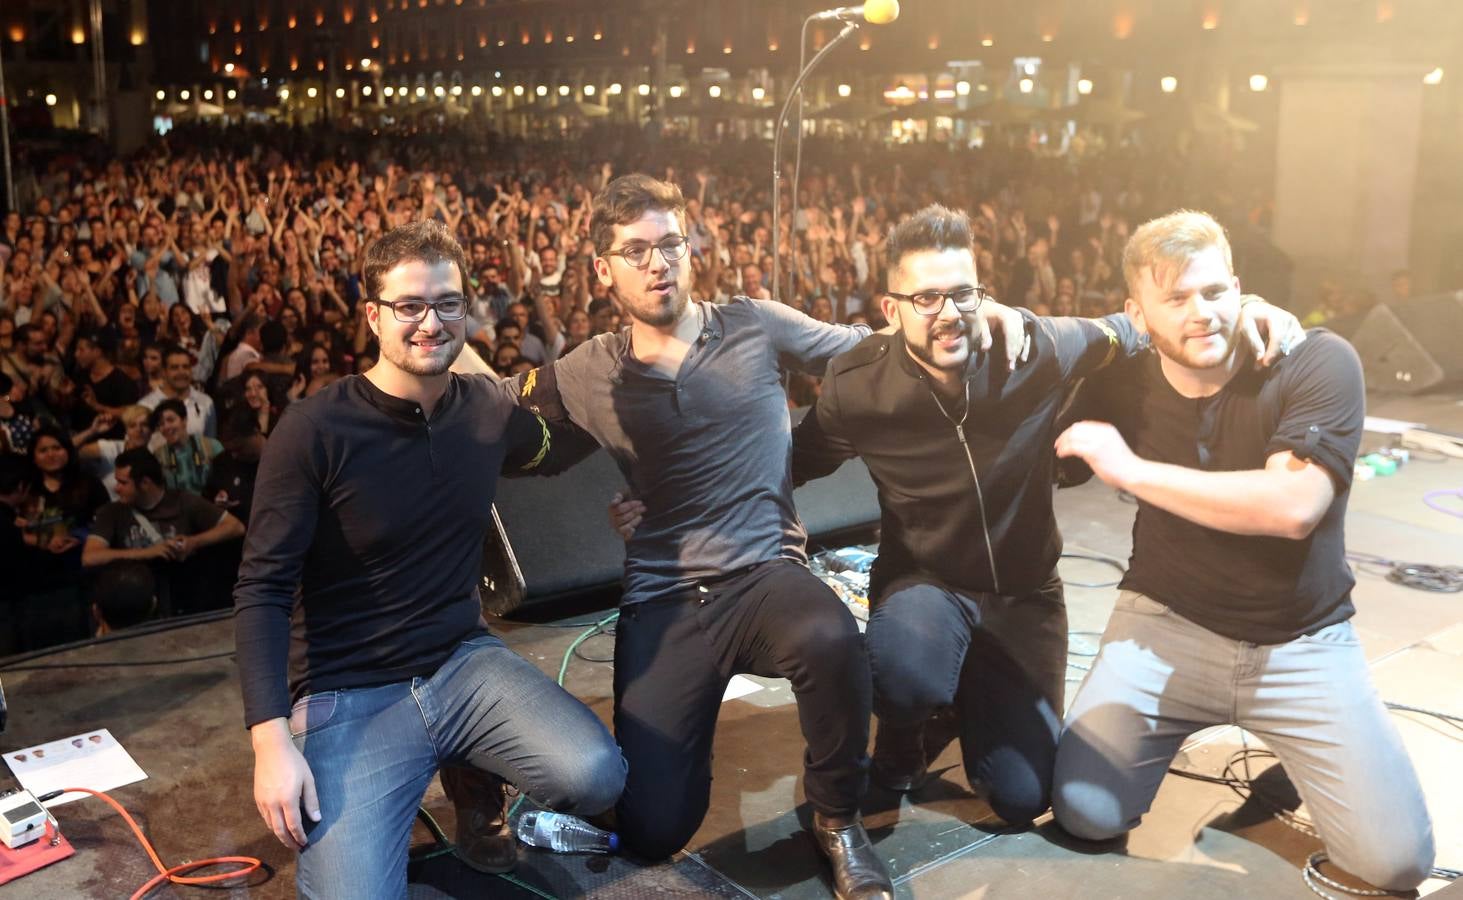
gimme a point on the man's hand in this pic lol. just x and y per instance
(1103, 448)
(164, 549)
(993, 316)
(625, 515)
(1283, 330)
(282, 779)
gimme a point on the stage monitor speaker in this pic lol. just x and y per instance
(555, 542)
(1412, 346)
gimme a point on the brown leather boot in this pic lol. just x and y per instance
(858, 872)
(484, 840)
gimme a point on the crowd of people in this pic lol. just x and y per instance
(158, 312)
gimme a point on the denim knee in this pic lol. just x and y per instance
(905, 690)
(1088, 812)
(588, 780)
(1392, 868)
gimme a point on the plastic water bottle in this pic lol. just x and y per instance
(564, 833)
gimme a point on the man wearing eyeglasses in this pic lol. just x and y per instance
(689, 401)
(968, 613)
(359, 576)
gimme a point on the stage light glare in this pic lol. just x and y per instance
(759, 94)
(845, 90)
(311, 93)
(1084, 86)
(208, 94)
(1258, 83)
(643, 90)
(714, 90)
(962, 88)
(1169, 84)
(184, 95)
(51, 100)
(1027, 85)
(675, 91)
(1433, 77)
(161, 95)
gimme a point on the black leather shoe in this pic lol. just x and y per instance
(899, 762)
(858, 872)
(484, 840)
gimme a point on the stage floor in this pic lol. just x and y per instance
(183, 725)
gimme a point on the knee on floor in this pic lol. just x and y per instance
(1088, 812)
(589, 781)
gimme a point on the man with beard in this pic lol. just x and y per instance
(1236, 605)
(689, 402)
(360, 575)
(968, 611)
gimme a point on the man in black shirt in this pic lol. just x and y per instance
(359, 575)
(166, 528)
(968, 612)
(104, 387)
(1236, 607)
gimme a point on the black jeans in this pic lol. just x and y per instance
(999, 660)
(673, 660)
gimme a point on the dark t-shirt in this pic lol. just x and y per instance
(114, 390)
(1266, 590)
(177, 514)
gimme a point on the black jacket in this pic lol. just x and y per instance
(988, 530)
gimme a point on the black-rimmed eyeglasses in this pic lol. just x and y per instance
(449, 309)
(930, 303)
(637, 253)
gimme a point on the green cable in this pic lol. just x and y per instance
(446, 847)
(588, 633)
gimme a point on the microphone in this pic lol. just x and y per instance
(875, 12)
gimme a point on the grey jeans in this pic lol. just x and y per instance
(1159, 678)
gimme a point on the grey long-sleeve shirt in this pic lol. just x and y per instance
(707, 451)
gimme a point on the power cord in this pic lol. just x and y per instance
(175, 874)
(1236, 776)
(1421, 576)
(1092, 556)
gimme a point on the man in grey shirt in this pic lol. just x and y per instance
(689, 402)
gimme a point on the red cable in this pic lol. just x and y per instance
(248, 863)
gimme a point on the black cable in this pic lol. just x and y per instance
(1420, 576)
(580, 654)
(1095, 557)
(135, 631)
(120, 664)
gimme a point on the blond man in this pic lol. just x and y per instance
(1236, 605)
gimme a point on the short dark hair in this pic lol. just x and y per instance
(625, 200)
(100, 340)
(141, 464)
(935, 227)
(125, 594)
(174, 350)
(427, 241)
(5, 384)
(272, 336)
(171, 405)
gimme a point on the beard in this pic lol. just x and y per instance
(935, 357)
(401, 354)
(1205, 357)
(655, 311)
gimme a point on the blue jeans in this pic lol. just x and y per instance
(1159, 678)
(373, 751)
(999, 660)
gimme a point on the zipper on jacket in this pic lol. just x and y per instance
(970, 458)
